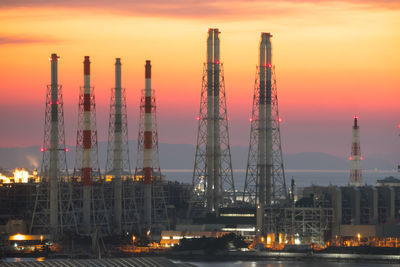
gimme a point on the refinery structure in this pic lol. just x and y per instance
(140, 204)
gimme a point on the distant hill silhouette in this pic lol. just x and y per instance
(181, 156)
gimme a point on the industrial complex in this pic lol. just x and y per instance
(64, 212)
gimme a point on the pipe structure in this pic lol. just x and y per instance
(268, 117)
(355, 171)
(210, 124)
(87, 146)
(117, 163)
(53, 179)
(216, 121)
(148, 147)
(261, 139)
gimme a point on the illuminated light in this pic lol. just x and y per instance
(398, 125)
(57, 102)
(280, 120)
(40, 259)
(66, 149)
(227, 118)
(198, 118)
(41, 238)
(361, 158)
(133, 238)
(17, 237)
(42, 149)
(49, 58)
(217, 62)
(350, 158)
(355, 117)
(269, 65)
(358, 237)
(251, 119)
(21, 176)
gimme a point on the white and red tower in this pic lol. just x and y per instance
(147, 172)
(87, 170)
(355, 171)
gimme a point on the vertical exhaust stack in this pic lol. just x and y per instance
(148, 147)
(210, 125)
(262, 135)
(213, 184)
(268, 105)
(53, 212)
(118, 149)
(148, 173)
(216, 120)
(87, 146)
(122, 211)
(265, 184)
(54, 140)
(355, 171)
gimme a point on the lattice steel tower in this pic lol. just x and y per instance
(153, 208)
(89, 196)
(118, 169)
(213, 185)
(53, 212)
(265, 177)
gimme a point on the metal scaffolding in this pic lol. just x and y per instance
(89, 202)
(53, 210)
(120, 198)
(150, 195)
(307, 224)
(265, 183)
(213, 184)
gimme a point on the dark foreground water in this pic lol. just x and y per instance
(286, 264)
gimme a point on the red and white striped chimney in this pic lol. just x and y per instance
(355, 171)
(87, 133)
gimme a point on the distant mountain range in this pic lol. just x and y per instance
(181, 156)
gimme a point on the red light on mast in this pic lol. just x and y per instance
(280, 120)
(42, 149)
(198, 118)
(350, 158)
(251, 119)
(269, 65)
(66, 149)
(355, 117)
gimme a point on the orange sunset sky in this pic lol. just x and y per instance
(333, 59)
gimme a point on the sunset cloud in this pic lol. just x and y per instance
(232, 9)
(6, 39)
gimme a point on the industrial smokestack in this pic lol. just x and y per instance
(210, 124)
(355, 171)
(148, 146)
(216, 120)
(53, 179)
(87, 146)
(117, 163)
(268, 106)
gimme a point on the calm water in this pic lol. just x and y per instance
(286, 264)
(302, 177)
